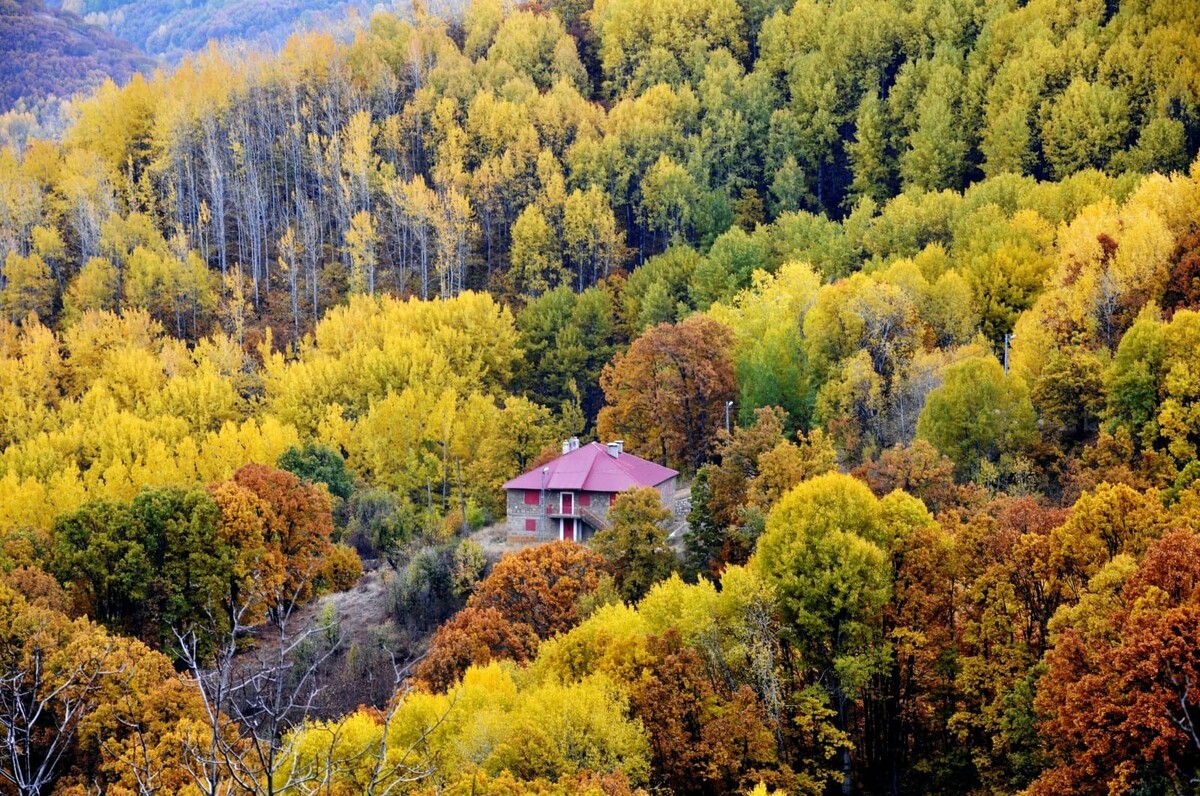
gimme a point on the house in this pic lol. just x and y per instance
(569, 497)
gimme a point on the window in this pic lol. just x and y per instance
(585, 499)
(532, 497)
(531, 525)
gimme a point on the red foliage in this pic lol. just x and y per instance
(473, 636)
(1121, 688)
(701, 741)
(1183, 285)
(539, 587)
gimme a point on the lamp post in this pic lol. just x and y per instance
(542, 500)
(728, 406)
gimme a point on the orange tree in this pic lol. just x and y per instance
(1119, 694)
(666, 395)
(530, 595)
(540, 586)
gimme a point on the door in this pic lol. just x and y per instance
(568, 503)
(568, 530)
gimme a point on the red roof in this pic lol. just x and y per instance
(591, 468)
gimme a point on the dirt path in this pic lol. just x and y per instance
(492, 538)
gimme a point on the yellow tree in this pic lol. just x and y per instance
(28, 287)
(591, 237)
(360, 242)
(536, 255)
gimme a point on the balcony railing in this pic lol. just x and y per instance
(592, 518)
(577, 512)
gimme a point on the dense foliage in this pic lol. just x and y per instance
(909, 292)
(518, 151)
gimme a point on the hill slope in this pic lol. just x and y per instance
(177, 27)
(46, 52)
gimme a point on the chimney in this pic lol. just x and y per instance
(615, 448)
(570, 444)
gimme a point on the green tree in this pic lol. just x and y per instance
(769, 354)
(102, 561)
(660, 290)
(935, 156)
(1007, 141)
(825, 550)
(729, 267)
(1085, 127)
(1132, 378)
(567, 340)
(635, 544)
(317, 463)
(148, 568)
(978, 414)
(1161, 147)
(669, 196)
(868, 153)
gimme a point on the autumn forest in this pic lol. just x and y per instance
(908, 291)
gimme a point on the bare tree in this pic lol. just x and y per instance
(255, 699)
(252, 699)
(214, 149)
(47, 687)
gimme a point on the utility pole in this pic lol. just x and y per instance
(1008, 338)
(728, 406)
(542, 501)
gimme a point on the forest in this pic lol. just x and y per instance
(45, 54)
(908, 292)
(175, 29)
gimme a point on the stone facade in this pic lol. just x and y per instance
(566, 515)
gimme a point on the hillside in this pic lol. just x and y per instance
(45, 52)
(173, 30)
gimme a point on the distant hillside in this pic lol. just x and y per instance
(173, 28)
(46, 52)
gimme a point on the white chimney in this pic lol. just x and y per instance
(570, 444)
(566, 446)
(615, 448)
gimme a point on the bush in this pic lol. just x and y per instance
(342, 568)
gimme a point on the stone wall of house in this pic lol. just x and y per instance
(522, 515)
